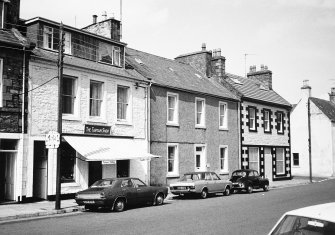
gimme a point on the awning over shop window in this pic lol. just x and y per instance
(106, 149)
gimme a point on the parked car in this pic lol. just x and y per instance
(116, 193)
(202, 183)
(248, 180)
(317, 219)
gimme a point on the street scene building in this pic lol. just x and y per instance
(193, 119)
(313, 118)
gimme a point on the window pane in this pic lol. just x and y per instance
(116, 56)
(253, 158)
(197, 160)
(68, 157)
(280, 160)
(222, 115)
(171, 108)
(105, 53)
(171, 158)
(122, 102)
(95, 98)
(222, 158)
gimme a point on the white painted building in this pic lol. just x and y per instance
(105, 111)
(322, 132)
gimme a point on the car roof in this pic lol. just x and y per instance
(246, 170)
(120, 178)
(322, 211)
(198, 172)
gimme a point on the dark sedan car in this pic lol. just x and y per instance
(248, 180)
(116, 193)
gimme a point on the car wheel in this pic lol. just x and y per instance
(119, 205)
(204, 194)
(227, 191)
(159, 200)
(266, 187)
(250, 189)
(90, 207)
(233, 191)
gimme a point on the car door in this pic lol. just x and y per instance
(209, 182)
(144, 193)
(219, 185)
(253, 176)
(129, 191)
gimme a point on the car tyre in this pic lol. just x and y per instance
(159, 199)
(119, 205)
(266, 187)
(250, 189)
(227, 191)
(204, 194)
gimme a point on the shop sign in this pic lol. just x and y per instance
(97, 130)
(107, 162)
(52, 140)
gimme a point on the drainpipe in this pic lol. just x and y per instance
(309, 140)
(148, 129)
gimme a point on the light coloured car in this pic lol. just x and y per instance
(201, 183)
(311, 220)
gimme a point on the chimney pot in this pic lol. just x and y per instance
(305, 83)
(95, 19)
(266, 67)
(262, 67)
(332, 95)
(219, 52)
(203, 46)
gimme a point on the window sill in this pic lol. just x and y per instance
(125, 123)
(172, 175)
(71, 117)
(200, 127)
(172, 124)
(223, 129)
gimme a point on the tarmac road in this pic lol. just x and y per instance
(236, 214)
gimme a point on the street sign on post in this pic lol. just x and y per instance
(52, 140)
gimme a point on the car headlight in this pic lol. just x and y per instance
(241, 185)
(102, 195)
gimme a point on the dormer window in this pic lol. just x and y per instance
(50, 38)
(109, 54)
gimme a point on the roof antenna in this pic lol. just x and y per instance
(245, 64)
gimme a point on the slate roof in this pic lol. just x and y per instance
(252, 90)
(13, 38)
(327, 107)
(170, 73)
(88, 64)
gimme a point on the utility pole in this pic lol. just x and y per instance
(309, 140)
(60, 113)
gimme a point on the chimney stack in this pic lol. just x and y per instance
(95, 19)
(306, 89)
(332, 95)
(264, 75)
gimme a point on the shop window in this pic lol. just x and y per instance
(253, 158)
(67, 163)
(296, 159)
(223, 115)
(69, 95)
(224, 159)
(280, 161)
(200, 112)
(122, 102)
(95, 98)
(172, 108)
(172, 160)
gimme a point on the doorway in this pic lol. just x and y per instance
(40, 180)
(122, 168)
(268, 163)
(94, 172)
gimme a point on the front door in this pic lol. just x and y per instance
(122, 168)
(94, 172)
(200, 158)
(40, 170)
(8, 161)
(268, 163)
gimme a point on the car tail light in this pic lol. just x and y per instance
(102, 195)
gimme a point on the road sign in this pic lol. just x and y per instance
(52, 140)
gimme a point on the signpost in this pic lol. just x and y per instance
(52, 140)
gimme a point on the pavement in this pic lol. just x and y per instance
(17, 211)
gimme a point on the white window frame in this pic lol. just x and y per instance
(225, 168)
(116, 54)
(280, 122)
(203, 157)
(252, 119)
(2, 15)
(102, 116)
(175, 121)
(68, 43)
(254, 161)
(74, 96)
(126, 119)
(224, 116)
(1, 82)
(282, 161)
(267, 121)
(202, 123)
(175, 172)
(46, 33)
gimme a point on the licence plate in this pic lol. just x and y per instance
(89, 202)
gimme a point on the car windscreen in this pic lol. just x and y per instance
(103, 183)
(239, 173)
(193, 177)
(291, 224)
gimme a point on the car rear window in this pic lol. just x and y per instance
(103, 183)
(194, 177)
(304, 225)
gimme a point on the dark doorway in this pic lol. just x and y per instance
(122, 168)
(94, 172)
(2, 177)
(40, 170)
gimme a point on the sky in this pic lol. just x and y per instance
(294, 38)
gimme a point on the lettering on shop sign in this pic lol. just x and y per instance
(98, 130)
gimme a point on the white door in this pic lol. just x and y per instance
(9, 175)
(268, 163)
(200, 158)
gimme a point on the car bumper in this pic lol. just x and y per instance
(183, 191)
(93, 202)
(237, 187)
